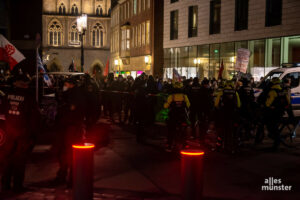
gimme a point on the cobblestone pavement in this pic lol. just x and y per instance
(126, 170)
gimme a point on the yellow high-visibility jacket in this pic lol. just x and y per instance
(177, 97)
(272, 95)
(220, 94)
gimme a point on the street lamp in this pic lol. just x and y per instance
(82, 26)
(117, 64)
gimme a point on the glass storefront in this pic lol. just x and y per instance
(206, 60)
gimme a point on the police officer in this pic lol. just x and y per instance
(71, 125)
(177, 103)
(276, 104)
(227, 103)
(194, 97)
(246, 94)
(21, 115)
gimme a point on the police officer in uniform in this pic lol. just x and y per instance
(246, 94)
(276, 104)
(177, 103)
(21, 114)
(71, 127)
(227, 103)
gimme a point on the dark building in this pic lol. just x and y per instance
(20, 21)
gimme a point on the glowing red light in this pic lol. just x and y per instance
(85, 146)
(192, 153)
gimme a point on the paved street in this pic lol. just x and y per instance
(127, 170)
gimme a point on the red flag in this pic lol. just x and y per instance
(221, 70)
(106, 68)
(9, 53)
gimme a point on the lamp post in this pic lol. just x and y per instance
(82, 26)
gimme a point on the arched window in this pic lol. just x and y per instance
(74, 10)
(109, 11)
(55, 34)
(62, 9)
(99, 11)
(97, 35)
(74, 36)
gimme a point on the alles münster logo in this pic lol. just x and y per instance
(273, 184)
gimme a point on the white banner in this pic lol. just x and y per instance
(242, 60)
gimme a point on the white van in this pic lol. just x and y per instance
(291, 71)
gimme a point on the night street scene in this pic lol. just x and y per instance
(149, 99)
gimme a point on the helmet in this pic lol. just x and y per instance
(229, 84)
(177, 85)
(275, 81)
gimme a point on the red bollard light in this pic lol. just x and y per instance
(192, 174)
(83, 171)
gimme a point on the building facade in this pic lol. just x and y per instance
(61, 39)
(137, 37)
(201, 35)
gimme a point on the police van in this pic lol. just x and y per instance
(287, 71)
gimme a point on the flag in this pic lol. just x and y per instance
(176, 75)
(221, 70)
(106, 68)
(9, 53)
(42, 69)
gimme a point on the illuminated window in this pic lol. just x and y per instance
(143, 34)
(148, 32)
(99, 11)
(134, 6)
(139, 35)
(74, 36)
(55, 34)
(132, 41)
(74, 10)
(97, 35)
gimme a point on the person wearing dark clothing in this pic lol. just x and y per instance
(71, 123)
(107, 96)
(140, 103)
(247, 98)
(194, 97)
(275, 105)
(118, 88)
(21, 113)
(151, 90)
(227, 104)
(92, 95)
(128, 100)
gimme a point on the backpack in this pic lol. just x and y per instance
(281, 102)
(229, 99)
(178, 110)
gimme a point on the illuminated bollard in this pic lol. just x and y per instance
(83, 171)
(192, 174)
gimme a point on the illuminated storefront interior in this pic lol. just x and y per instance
(205, 60)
